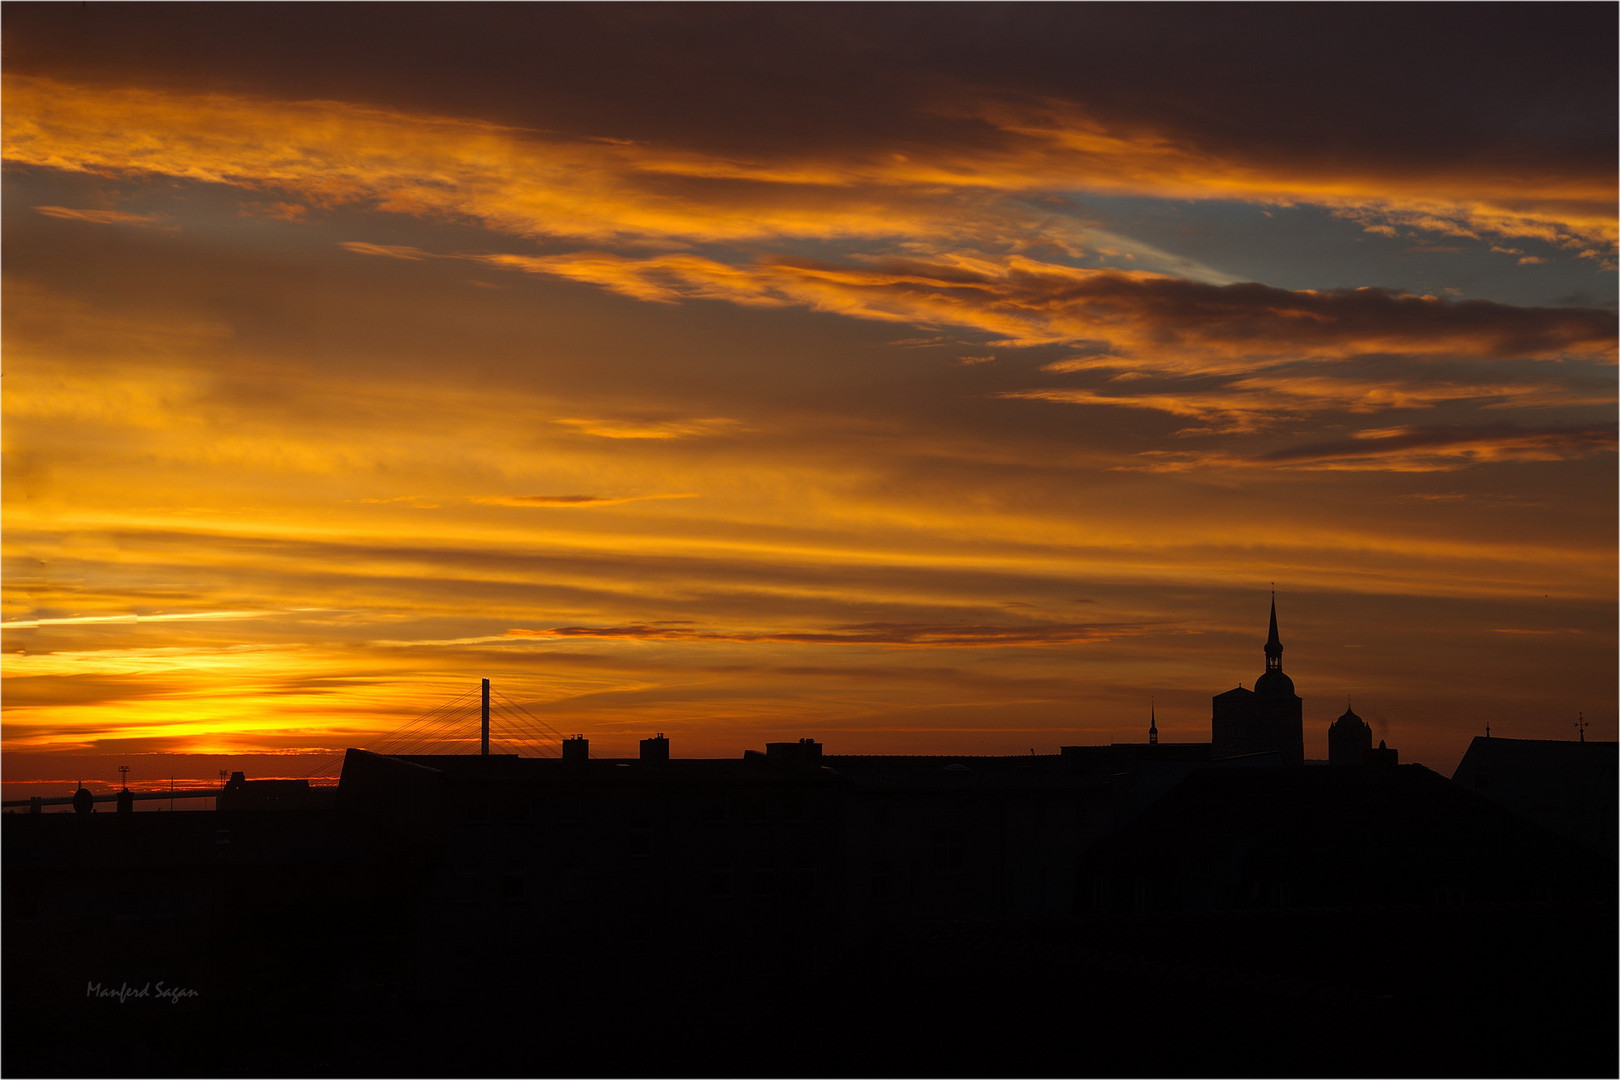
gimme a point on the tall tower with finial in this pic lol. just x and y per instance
(1273, 642)
(1267, 719)
(1153, 724)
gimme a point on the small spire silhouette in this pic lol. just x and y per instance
(1153, 723)
(1580, 725)
(1274, 648)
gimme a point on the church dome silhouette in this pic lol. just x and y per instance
(1349, 739)
(1274, 684)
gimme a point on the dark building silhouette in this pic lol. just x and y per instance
(240, 793)
(1234, 839)
(1349, 740)
(1267, 719)
(1566, 787)
(749, 847)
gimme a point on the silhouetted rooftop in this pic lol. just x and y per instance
(1344, 836)
(1565, 785)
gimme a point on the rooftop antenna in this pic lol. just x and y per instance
(1580, 725)
(124, 770)
(483, 746)
(1487, 729)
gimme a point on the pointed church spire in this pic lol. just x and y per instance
(1153, 723)
(1273, 643)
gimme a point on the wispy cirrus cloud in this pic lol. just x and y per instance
(105, 217)
(1288, 393)
(527, 182)
(1439, 448)
(131, 619)
(1427, 448)
(898, 635)
(542, 501)
(638, 428)
(390, 251)
(1156, 321)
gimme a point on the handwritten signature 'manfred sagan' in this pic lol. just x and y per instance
(148, 991)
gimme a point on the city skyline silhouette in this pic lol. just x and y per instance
(763, 538)
(448, 882)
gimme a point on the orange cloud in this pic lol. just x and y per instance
(103, 620)
(391, 251)
(627, 428)
(531, 183)
(1568, 210)
(102, 217)
(1272, 397)
(573, 500)
(1405, 449)
(898, 635)
(1152, 320)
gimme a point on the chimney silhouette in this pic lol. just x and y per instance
(655, 751)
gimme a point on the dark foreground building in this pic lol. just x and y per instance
(1126, 910)
(1566, 787)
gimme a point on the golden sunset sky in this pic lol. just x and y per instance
(916, 378)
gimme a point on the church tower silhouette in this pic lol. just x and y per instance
(1349, 739)
(1269, 718)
